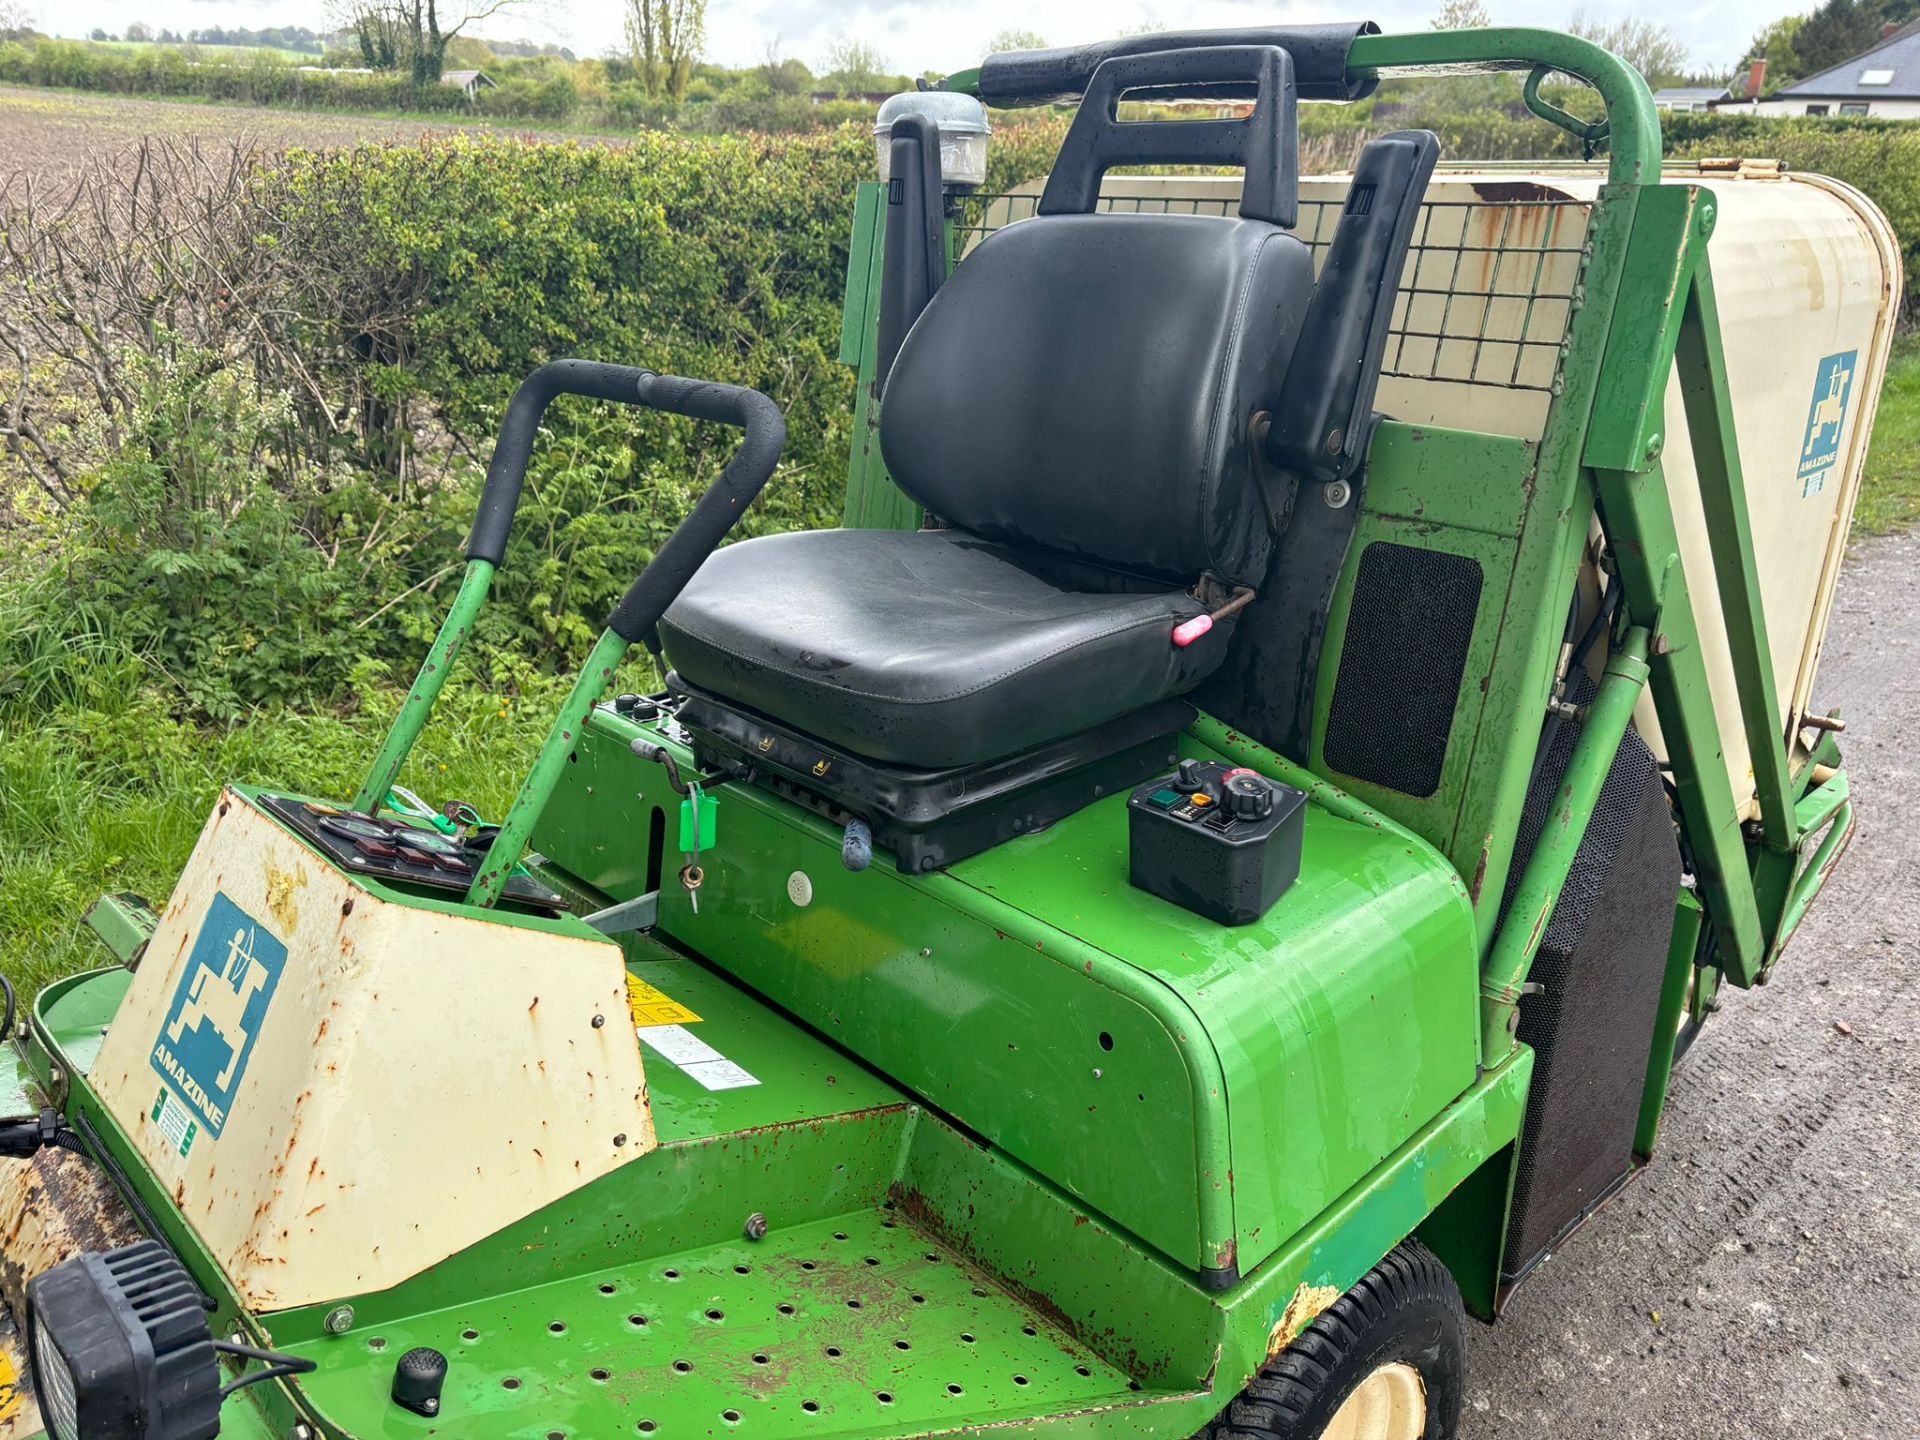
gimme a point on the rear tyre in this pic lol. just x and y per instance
(1383, 1362)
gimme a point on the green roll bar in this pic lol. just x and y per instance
(632, 620)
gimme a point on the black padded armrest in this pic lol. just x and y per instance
(1059, 77)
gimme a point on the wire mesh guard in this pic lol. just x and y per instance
(1486, 298)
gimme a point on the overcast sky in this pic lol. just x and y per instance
(915, 36)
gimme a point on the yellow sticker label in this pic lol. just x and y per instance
(655, 1007)
(10, 1397)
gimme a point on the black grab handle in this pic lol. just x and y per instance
(1266, 143)
(715, 512)
(706, 524)
(1059, 77)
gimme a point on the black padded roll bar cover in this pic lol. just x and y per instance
(913, 262)
(715, 512)
(507, 470)
(1266, 143)
(1324, 416)
(1059, 77)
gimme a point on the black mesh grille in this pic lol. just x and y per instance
(1400, 666)
(1600, 965)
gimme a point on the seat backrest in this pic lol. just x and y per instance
(1086, 384)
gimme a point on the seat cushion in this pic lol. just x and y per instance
(1085, 384)
(926, 648)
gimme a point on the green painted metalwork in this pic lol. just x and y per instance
(1723, 494)
(1504, 980)
(1591, 134)
(124, 923)
(1682, 952)
(418, 705)
(873, 501)
(1639, 521)
(1077, 1022)
(603, 662)
(1633, 123)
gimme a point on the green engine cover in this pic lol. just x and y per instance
(1209, 1089)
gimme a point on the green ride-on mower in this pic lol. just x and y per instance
(1198, 887)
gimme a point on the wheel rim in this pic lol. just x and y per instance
(1390, 1404)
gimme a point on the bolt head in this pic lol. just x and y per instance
(338, 1320)
(756, 1226)
(1336, 494)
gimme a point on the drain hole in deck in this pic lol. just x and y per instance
(1028, 1330)
(716, 1314)
(469, 1334)
(873, 1260)
(839, 1234)
(919, 1299)
(806, 1264)
(646, 1427)
(760, 1357)
(601, 1375)
(885, 1397)
(784, 1309)
(1106, 1041)
(965, 1338)
(558, 1327)
(510, 1383)
(902, 1345)
(683, 1367)
(732, 1417)
(636, 1320)
(979, 1293)
(606, 1289)
(812, 1407)
(556, 1435)
(376, 1343)
(833, 1352)
(1081, 1370)
(1019, 1379)
(671, 1274)
(743, 1269)
(956, 1390)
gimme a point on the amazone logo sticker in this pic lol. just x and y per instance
(208, 1036)
(1832, 385)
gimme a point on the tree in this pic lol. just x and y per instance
(854, 66)
(412, 35)
(1462, 15)
(1651, 48)
(16, 20)
(664, 39)
(140, 32)
(1016, 39)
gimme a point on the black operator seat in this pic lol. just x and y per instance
(1075, 405)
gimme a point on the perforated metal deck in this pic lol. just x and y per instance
(858, 1325)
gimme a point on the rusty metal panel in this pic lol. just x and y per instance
(340, 1087)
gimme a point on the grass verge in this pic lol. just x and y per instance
(1890, 491)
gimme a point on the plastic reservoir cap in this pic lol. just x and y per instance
(962, 123)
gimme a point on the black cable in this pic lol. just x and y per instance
(278, 1365)
(6, 1026)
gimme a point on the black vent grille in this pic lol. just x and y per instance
(1408, 633)
(1600, 965)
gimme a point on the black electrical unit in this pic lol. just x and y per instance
(120, 1347)
(1219, 840)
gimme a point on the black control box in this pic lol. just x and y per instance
(1219, 840)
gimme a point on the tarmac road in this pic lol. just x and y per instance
(1761, 1279)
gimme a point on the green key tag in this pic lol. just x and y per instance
(695, 838)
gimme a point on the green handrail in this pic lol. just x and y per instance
(1631, 126)
(1633, 153)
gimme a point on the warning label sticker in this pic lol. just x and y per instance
(655, 1007)
(702, 1063)
(1826, 416)
(176, 1122)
